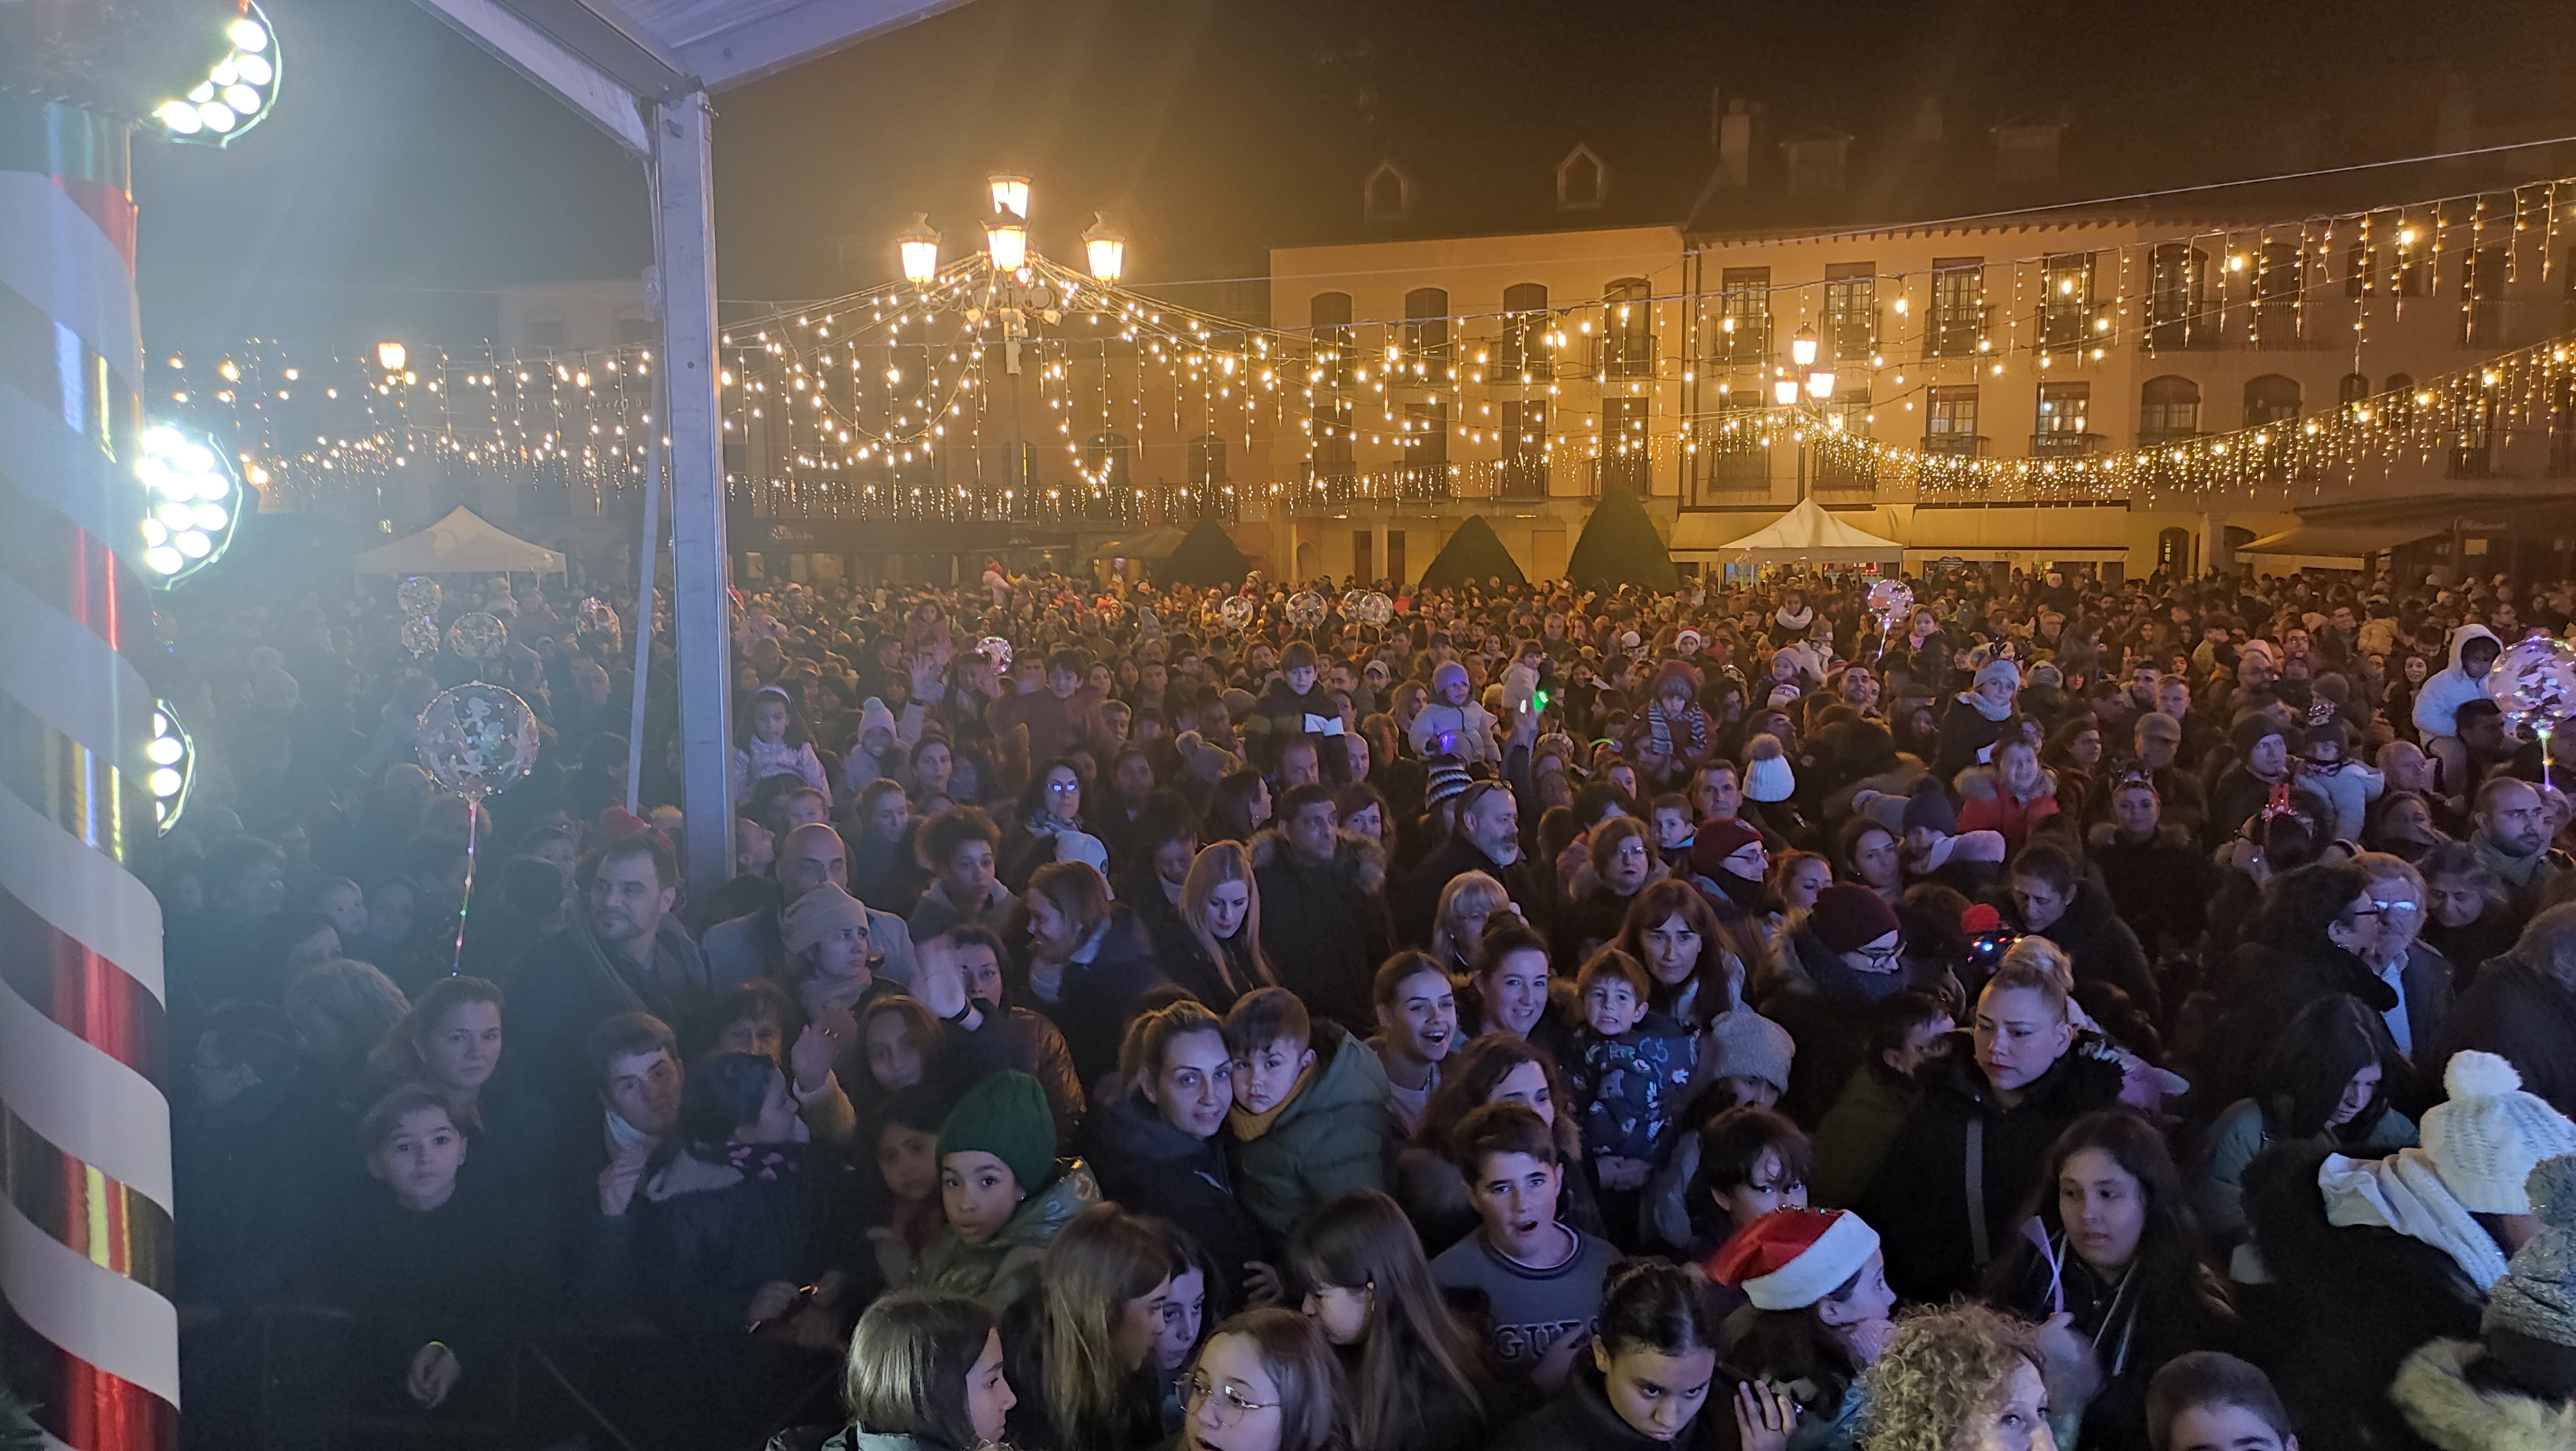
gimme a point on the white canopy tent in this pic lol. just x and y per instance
(1808, 534)
(462, 543)
(643, 71)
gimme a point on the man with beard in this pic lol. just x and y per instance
(1488, 840)
(624, 952)
(2512, 836)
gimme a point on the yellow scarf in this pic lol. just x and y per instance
(1250, 1126)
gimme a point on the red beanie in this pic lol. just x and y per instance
(1791, 1258)
(1849, 916)
(1718, 840)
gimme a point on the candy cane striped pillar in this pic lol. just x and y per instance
(86, 1324)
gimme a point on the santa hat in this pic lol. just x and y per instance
(1791, 1258)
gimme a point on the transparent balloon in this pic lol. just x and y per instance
(419, 596)
(997, 650)
(477, 636)
(2534, 682)
(1236, 612)
(595, 616)
(419, 635)
(1375, 609)
(1305, 609)
(1888, 596)
(478, 739)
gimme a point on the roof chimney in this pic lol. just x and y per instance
(1735, 143)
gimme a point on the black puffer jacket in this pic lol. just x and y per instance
(1153, 1168)
(2344, 1306)
(1325, 927)
(2161, 886)
(1927, 1210)
(1099, 997)
(2100, 945)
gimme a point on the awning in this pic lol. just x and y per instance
(2345, 541)
(1806, 533)
(462, 543)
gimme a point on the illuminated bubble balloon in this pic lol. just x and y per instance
(2534, 682)
(478, 739)
(1375, 609)
(997, 650)
(1889, 596)
(1236, 612)
(477, 636)
(1305, 609)
(419, 635)
(419, 595)
(595, 616)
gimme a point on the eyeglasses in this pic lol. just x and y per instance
(2398, 908)
(1231, 1406)
(1881, 956)
(1060, 788)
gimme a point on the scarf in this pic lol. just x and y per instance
(1660, 729)
(1250, 1126)
(670, 984)
(2404, 1193)
(1986, 708)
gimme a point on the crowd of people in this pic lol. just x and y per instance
(2127, 1014)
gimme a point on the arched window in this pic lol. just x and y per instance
(2168, 409)
(1426, 334)
(1627, 329)
(2350, 390)
(1582, 181)
(1521, 350)
(2271, 398)
(2173, 551)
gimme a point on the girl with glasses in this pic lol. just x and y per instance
(1265, 1381)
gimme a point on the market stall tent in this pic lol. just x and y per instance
(462, 543)
(1807, 533)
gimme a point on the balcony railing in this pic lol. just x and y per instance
(1961, 445)
(2060, 443)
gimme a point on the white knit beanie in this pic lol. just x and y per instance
(2485, 1140)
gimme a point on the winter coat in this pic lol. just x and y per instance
(1964, 735)
(935, 914)
(2242, 1133)
(1005, 1267)
(1153, 1168)
(706, 1236)
(2343, 1306)
(1933, 1221)
(2267, 988)
(1102, 991)
(2135, 1327)
(2102, 947)
(477, 1272)
(1821, 1000)
(1325, 927)
(1855, 1133)
(1630, 1088)
(1332, 1136)
(1986, 804)
(2160, 887)
(1579, 1416)
(2442, 1396)
(2523, 1015)
(1183, 959)
(2437, 704)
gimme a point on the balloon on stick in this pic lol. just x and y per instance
(475, 740)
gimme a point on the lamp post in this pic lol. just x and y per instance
(1805, 395)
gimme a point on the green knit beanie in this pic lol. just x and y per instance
(1007, 1117)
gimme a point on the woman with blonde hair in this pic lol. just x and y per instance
(1467, 905)
(1078, 1344)
(1965, 1377)
(1215, 955)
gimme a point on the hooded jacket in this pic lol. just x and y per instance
(2443, 1400)
(1152, 1167)
(1325, 925)
(1332, 1136)
(1928, 1211)
(2437, 704)
(1005, 1267)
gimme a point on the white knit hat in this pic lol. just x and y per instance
(2485, 1140)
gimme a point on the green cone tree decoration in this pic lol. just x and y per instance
(1473, 555)
(1206, 556)
(1620, 546)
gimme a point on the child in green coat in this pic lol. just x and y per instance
(1309, 1121)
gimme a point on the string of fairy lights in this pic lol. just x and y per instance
(1036, 392)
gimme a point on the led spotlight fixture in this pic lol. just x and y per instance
(191, 502)
(173, 766)
(236, 95)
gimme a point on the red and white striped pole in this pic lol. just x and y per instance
(87, 1328)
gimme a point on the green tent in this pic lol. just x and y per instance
(1206, 556)
(1473, 555)
(1620, 546)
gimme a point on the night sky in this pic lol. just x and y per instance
(406, 173)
